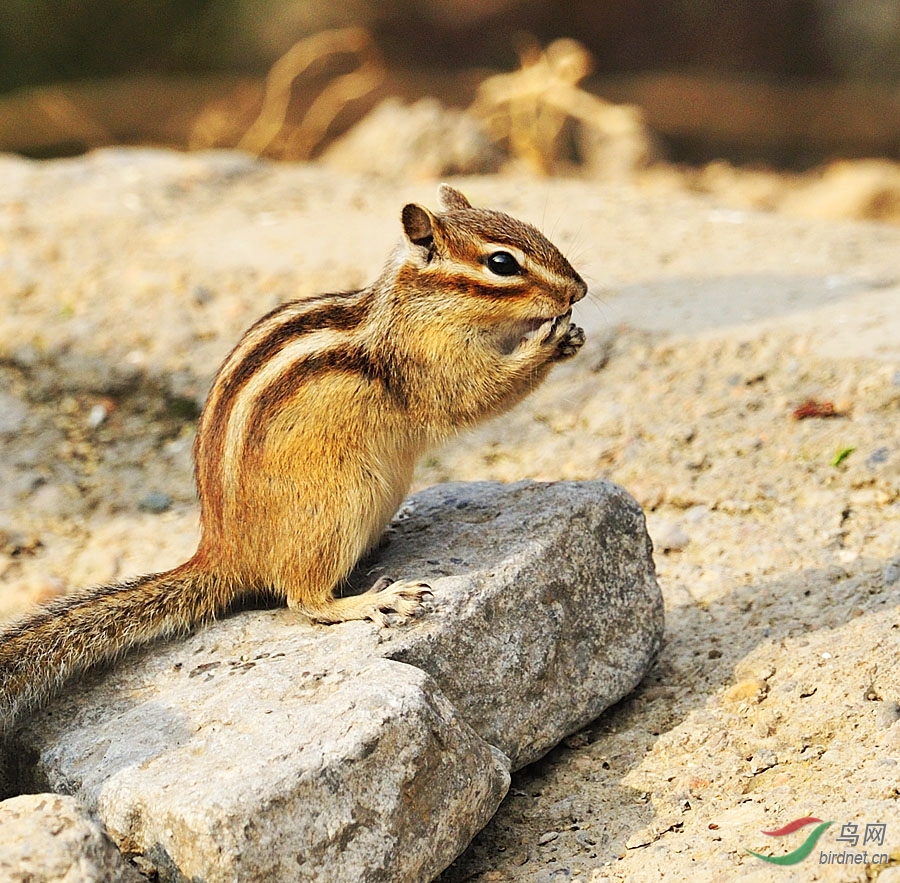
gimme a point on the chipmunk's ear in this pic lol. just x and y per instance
(450, 198)
(418, 224)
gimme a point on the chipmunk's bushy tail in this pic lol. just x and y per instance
(42, 650)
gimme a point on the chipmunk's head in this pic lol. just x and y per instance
(485, 268)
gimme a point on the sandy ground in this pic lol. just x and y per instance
(126, 276)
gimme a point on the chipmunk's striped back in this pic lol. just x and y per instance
(276, 355)
(312, 427)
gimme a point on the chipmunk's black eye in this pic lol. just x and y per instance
(503, 264)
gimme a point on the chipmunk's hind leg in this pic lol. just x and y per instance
(403, 598)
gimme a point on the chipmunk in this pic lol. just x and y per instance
(308, 438)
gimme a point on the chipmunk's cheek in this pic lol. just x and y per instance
(511, 337)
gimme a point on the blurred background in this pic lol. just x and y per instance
(709, 90)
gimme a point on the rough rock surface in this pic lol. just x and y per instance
(266, 748)
(293, 763)
(548, 613)
(48, 838)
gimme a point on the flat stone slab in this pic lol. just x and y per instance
(267, 748)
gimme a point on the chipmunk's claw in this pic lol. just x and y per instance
(402, 597)
(572, 341)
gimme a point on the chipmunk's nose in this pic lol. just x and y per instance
(578, 289)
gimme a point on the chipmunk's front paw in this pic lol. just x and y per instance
(569, 343)
(546, 341)
(403, 598)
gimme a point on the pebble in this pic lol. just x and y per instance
(752, 690)
(878, 456)
(670, 537)
(747, 444)
(696, 514)
(14, 542)
(156, 502)
(12, 414)
(97, 415)
(586, 839)
(202, 295)
(889, 875)
(764, 759)
(25, 356)
(891, 572)
(548, 837)
(563, 809)
(888, 714)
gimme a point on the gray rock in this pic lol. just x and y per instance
(546, 607)
(48, 838)
(266, 748)
(156, 502)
